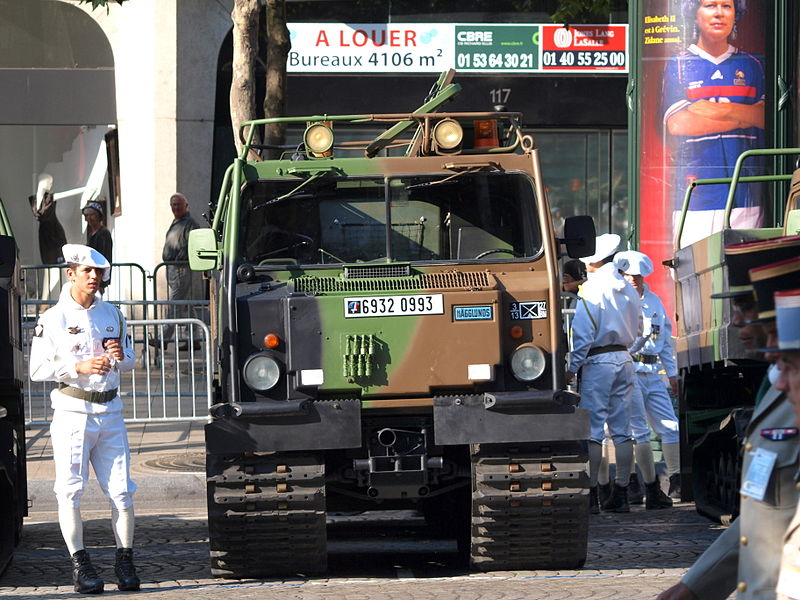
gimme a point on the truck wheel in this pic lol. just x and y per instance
(266, 515)
(530, 506)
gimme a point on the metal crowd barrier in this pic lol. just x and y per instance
(172, 377)
(568, 301)
(41, 285)
(170, 382)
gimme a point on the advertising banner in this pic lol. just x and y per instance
(467, 47)
(701, 98)
(584, 48)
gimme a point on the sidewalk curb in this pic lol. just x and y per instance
(175, 491)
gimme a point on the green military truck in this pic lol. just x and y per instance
(387, 319)
(720, 377)
(13, 474)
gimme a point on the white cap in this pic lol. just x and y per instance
(638, 263)
(604, 246)
(84, 255)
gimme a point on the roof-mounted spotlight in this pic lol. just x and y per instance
(447, 135)
(318, 139)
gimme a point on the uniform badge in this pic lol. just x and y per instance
(74, 330)
(779, 433)
(739, 79)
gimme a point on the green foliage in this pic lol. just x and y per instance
(96, 3)
(586, 11)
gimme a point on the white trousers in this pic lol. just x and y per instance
(100, 439)
(651, 402)
(606, 388)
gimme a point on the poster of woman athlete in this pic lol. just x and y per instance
(702, 98)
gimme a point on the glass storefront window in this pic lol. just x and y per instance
(585, 173)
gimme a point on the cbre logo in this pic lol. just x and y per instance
(475, 36)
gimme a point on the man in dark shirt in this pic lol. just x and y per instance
(180, 279)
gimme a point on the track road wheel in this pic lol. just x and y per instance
(266, 515)
(530, 506)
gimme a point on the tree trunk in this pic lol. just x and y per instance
(277, 53)
(245, 17)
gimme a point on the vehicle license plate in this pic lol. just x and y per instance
(394, 306)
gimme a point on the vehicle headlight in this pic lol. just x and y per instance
(527, 363)
(318, 139)
(447, 134)
(261, 372)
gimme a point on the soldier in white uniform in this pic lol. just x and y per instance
(746, 556)
(787, 309)
(82, 343)
(607, 320)
(650, 352)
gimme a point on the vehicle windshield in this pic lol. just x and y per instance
(334, 220)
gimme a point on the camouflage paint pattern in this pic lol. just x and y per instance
(408, 355)
(704, 331)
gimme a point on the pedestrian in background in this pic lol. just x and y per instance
(573, 276)
(98, 236)
(180, 278)
(607, 321)
(82, 343)
(652, 351)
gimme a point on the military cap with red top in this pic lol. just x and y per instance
(772, 278)
(742, 257)
(787, 314)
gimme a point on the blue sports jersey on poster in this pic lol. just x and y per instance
(735, 76)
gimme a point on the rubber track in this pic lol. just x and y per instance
(266, 516)
(530, 507)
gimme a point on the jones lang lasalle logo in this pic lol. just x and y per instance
(586, 37)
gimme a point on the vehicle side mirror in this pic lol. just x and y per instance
(8, 255)
(579, 236)
(203, 250)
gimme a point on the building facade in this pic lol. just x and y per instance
(128, 105)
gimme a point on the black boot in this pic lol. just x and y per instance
(84, 576)
(675, 486)
(604, 492)
(594, 501)
(656, 498)
(127, 580)
(635, 493)
(618, 501)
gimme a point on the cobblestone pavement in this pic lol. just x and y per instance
(631, 556)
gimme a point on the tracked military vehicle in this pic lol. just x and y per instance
(13, 474)
(387, 319)
(720, 377)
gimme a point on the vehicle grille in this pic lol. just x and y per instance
(371, 271)
(427, 281)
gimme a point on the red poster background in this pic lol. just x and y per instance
(656, 196)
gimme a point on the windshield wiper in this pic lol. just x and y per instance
(448, 178)
(292, 193)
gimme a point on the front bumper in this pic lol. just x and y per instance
(508, 417)
(493, 417)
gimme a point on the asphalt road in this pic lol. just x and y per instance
(386, 556)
